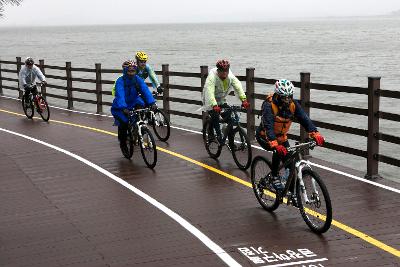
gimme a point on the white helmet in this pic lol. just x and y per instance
(284, 87)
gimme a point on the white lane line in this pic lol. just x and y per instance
(257, 147)
(193, 230)
(296, 263)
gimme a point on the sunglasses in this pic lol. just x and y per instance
(142, 61)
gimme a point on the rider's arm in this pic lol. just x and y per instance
(21, 77)
(303, 119)
(209, 92)
(152, 76)
(268, 120)
(120, 102)
(147, 96)
(237, 85)
(39, 73)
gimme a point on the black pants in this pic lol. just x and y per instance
(30, 89)
(276, 158)
(122, 131)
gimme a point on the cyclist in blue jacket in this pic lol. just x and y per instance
(130, 92)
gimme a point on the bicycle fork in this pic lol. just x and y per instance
(300, 165)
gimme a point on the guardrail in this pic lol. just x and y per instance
(373, 113)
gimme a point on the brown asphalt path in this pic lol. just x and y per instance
(55, 211)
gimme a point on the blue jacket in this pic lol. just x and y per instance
(267, 121)
(130, 92)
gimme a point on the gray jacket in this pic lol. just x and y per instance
(28, 76)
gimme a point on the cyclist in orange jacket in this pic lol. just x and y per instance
(278, 112)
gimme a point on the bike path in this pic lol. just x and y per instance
(226, 210)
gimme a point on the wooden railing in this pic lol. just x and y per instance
(373, 113)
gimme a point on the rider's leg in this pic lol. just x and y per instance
(215, 123)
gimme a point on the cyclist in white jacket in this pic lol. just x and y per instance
(219, 84)
(27, 76)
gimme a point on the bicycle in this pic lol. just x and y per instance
(36, 101)
(310, 195)
(159, 121)
(138, 134)
(238, 141)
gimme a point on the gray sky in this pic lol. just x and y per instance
(76, 12)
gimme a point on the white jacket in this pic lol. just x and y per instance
(214, 92)
(28, 76)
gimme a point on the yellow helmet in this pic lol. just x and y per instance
(141, 56)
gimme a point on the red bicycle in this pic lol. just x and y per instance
(32, 100)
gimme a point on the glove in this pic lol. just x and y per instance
(160, 90)
(26, 86)
(44, 82)
(245, 104)
(281, 150)
(125, 111)
(319, 139)
(153, 106)
(217, 109)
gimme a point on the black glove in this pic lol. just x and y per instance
(153, 106)
(160, 90)
(125, 111)
(44, 82)
(26, 86)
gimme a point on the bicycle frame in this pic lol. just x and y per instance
(137, 120)
(296, 164)
(231, 117)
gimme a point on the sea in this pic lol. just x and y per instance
(341, 51)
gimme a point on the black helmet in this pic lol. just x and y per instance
(29, 61)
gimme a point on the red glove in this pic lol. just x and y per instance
(245, 104)
(217, 109)
(281, 150)
(319, 139)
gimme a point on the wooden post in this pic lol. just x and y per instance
(374, 84)
(203, 77)
(99, 89)
(305, 100)
(165, 81)
(1, 82)
(20, 93)
(250, 97)
(43, 88)
(69, 85)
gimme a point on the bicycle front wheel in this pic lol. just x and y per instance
(161, 125)
(43, 108)
(28, 108)
(240, 148)
(148, 148)
(314, 202)
(210, 140)
(261, 180)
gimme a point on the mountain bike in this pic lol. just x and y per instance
(159, 121)
(304, 188)
(31, 102)
(238, 141)
(139, 135)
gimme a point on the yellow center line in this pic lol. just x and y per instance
(339, 225)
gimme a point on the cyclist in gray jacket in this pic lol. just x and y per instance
(27, 76)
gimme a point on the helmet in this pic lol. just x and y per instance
(29, 61)
(141, 56)
(223, 64)
(284, 87)
(129, 64)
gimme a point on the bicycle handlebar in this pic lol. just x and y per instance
(310, 144)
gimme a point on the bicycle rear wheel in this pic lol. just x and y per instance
(210, 140)
(314, 202)
(240, 148)
(148, 148)
(261, 180)
(43, 108)
(28, 108)
(127, 146)
(161, 125)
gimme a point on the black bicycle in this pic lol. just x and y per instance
(31, 102)
(159, 121)
(138, 134)
(304, 188)
(238, 141)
